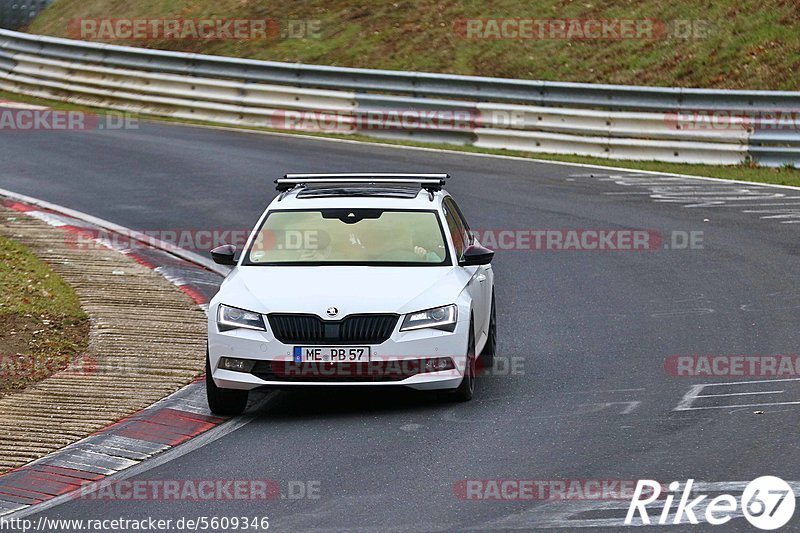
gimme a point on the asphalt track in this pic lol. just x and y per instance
(590, 398)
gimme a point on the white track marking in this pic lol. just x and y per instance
(629, 406)
(688, 402)
(606, 391)
(739, 394)
(689, 194)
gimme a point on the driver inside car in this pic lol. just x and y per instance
(378, 243)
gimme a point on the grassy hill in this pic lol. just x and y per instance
(753, 44)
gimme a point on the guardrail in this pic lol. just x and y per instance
(609, 121)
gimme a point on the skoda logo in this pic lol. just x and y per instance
(332, 311)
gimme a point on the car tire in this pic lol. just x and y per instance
(223, 402)
(490, 348)
(466, 389)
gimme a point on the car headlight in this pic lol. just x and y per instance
(438, 318)
(232, 317)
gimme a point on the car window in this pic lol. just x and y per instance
(456, 230)
(349, 236)
(461, 217)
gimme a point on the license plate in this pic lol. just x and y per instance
(331, 354)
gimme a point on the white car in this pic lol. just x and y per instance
(356, 280)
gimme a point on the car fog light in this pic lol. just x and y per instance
(236, 365)
(438, 364)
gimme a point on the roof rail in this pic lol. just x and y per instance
(429, 182)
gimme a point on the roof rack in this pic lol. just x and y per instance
(429, 182)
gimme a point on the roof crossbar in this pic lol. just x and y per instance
(429, 182)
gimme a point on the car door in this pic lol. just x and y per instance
(485, 274)
(479, 283)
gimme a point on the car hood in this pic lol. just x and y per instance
(351, 289)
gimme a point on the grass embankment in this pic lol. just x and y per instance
(751, 44)
(42, 325)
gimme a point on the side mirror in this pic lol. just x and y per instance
(476, 255)
(224, 255)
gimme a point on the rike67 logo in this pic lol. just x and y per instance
(767, 503)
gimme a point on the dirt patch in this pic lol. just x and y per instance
(34, 347)
(42, 325)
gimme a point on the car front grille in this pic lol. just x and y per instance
(311, 329)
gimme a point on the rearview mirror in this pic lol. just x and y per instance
(476, 255)
(224, 255)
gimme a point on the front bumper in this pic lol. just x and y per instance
(403, 350)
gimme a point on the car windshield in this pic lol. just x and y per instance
(349, 237)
